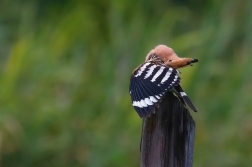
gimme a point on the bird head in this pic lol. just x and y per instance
(170, 58)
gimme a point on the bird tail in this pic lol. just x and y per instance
(185, 97)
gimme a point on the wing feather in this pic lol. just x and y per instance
(148, 85)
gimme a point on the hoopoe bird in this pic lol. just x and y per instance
(151, 80)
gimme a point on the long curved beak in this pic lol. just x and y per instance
(181, 62)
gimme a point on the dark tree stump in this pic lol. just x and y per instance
(168, 136)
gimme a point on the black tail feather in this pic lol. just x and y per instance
(189, 103)
(185, 97)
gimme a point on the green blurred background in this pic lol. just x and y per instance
(65, 69)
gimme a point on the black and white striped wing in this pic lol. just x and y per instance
(148, 85)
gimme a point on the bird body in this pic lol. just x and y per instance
(151, 80)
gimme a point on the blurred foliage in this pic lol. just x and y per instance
(65, 68)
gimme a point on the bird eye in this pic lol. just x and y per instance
(170, 60)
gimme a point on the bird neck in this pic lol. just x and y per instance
(153, 58)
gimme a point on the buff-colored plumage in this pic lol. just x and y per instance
(170, 58)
